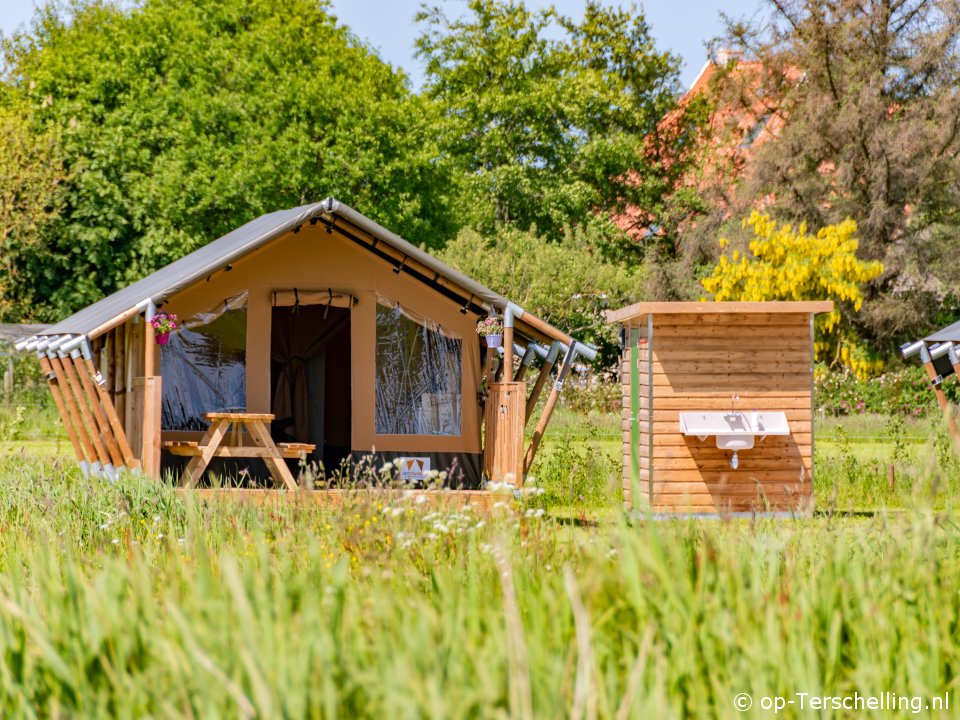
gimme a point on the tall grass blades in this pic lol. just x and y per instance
(127, 601)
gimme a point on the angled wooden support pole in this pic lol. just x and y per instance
(525, 362)
(47, 367)
(73, 412)
(542, 377)
(99, 396)
(86, 415)
(552, 399)
(927, 356)
(92, 398)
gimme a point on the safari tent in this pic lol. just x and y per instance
(356, 342)
(939, 353)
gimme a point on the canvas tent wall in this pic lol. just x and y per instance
(319, 255)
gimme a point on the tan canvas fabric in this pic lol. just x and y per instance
(316, 260)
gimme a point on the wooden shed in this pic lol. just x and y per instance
(349, 341)
(718, 405)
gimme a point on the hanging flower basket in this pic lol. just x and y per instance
(163, 324)
(491, 330)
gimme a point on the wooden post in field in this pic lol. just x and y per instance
(8, 381)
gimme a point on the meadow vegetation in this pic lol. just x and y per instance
(129, 600)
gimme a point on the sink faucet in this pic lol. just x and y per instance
(735, 402)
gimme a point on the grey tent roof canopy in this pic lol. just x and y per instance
(157, 287)
(951, 333)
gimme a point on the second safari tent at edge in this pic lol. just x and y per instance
(718, 405)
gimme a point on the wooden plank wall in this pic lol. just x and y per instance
(699, 362)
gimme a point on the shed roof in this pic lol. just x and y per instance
(712, 308)
(951, 333)
(160, 285)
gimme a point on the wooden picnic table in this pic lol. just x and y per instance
(212, 445)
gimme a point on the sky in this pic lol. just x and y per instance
(682, 26)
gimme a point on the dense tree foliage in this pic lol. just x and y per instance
(181, 121)
(30, 176)
(569, 283)
(552, 133)
(868, 95)
(548, 154)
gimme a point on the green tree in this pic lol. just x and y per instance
(867, 92)
(568, 283)
(550, 132)
(30, 175)
(181, 121)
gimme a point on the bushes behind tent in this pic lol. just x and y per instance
(568, 283)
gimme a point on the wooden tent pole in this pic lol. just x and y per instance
(507, 367)
(89, 423)
(488, 372)
(73, 411)
(51, 376)
(941, 396)
(548, 408)
(541, 380)
(151, 401)
(936, 382)
(100, 418)
(113, 420)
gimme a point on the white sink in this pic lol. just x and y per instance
(734, 430)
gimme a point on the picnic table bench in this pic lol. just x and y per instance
(212, 445)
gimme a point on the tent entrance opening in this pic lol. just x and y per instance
(310, 379)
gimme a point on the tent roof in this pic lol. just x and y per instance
(160, 285)
(951, 333)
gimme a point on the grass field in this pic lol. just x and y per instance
(124, 600)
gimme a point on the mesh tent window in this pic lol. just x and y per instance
(419, 374)
(204, 366)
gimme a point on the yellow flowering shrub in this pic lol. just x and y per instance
(788, 263)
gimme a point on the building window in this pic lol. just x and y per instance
(754, 132)
(204, 366)
(419, 374)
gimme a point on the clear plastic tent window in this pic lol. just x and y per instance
(204, 366)
(419, 373)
